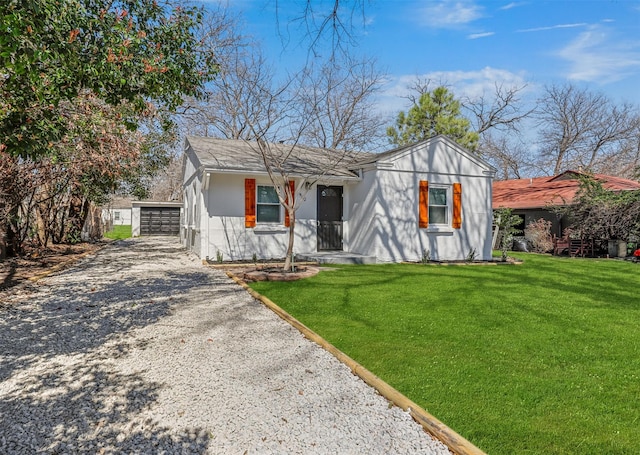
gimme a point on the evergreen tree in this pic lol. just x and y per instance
(436, 112)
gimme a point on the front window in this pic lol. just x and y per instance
(438, 209)
(268, 205)
(116, 216)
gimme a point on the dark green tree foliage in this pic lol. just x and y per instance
(137, 51)
(601, 214)
(437, 112)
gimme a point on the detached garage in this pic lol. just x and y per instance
(155, 218)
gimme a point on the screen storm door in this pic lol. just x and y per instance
(329, 218)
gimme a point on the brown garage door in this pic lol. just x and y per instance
(159, 220)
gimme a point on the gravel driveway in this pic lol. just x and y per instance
(141, 349)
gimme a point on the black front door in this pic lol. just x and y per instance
(329, 218)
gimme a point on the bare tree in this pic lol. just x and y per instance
(219, 34)
(338, 101)
(324, 22)
(498, 119)
(503, 111)
(582, 129)
(616, 143)
(420, 86)
(508, 154)
(628, 162)
(167, 184)
(236, 99)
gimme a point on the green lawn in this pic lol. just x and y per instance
(539, 358)
(119, 232)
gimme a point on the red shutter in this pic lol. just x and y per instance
(292, 187)
(423, 217)
(457, 206)
(249, 203)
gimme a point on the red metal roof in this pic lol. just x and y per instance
(540, 192)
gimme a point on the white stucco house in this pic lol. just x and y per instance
(432, 198)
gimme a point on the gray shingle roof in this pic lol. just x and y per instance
(238, 155)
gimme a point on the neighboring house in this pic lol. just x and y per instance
(532, 198)
(117, 212)
(432, 198)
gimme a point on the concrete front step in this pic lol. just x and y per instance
(336, 257)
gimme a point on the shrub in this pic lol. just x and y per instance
(506, 222)
(538, 234)
(599, 213)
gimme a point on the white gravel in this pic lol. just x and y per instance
(141, 349)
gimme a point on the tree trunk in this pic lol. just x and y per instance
(11, 238)
(43, 210)
(78, 212)
(3, 239)
(288, 263)
(94, 223)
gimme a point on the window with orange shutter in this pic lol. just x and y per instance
(440, 205)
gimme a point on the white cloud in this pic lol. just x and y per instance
(369, 20)
(512, 5)
(553, 27)
(450, 13)
(464, 84)
(595, 56)
(480, 35)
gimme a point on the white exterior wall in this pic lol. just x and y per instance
(361, 201)
(124, 215)
(383, 209)
(223, 223)
(135, 221)
(190, 232)
(109, 216)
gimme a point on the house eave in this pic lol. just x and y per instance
(176, 204)
(255, 172)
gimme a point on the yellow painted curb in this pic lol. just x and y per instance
(456, 443)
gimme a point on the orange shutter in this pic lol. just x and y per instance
(423, 218)
(457, 206)
(292, 187)
(249, 203)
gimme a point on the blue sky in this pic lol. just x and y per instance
(471, 44)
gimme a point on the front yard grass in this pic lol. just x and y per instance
(119, 232)
(542, 357)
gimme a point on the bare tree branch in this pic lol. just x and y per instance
(331, 21)
(502, 111)
(584, 130)
(338, 100)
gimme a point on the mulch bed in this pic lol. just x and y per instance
(37, 262)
